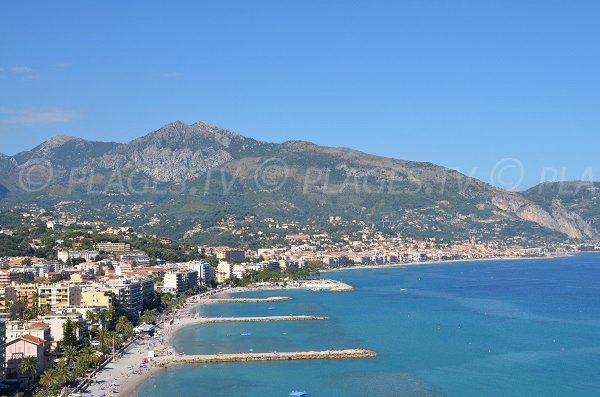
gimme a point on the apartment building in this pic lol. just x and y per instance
(7, 277)
(224, 271)
(177, 282)
(206, 272)
(96, 298)
(27, 293)
(56, 321)
(59, 295)
(130, 295)
(231, 255)
(88, 256)
(113, 247)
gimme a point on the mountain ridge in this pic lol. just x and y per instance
(312, 180)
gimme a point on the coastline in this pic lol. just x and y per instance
(128, 372)
(184, 317)
(442, 262)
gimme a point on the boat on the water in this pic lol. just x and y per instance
(246, 334)
(297, 393)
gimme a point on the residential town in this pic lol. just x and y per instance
(85, 285)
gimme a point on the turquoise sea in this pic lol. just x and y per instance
(495, 328)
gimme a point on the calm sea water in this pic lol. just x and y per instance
(498, 328)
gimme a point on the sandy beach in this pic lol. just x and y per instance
(127, 372)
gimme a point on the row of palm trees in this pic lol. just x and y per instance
(73, 363)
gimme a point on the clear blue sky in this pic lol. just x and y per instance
(463, 84)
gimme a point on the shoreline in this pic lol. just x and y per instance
(128, 371)
(442, 262)
(184, 317)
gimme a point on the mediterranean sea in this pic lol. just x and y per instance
(477, 328)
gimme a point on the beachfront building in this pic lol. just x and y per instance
(59, 295)
(206, 272)
(191, 277)
(129, 292)
(177, 282)
(147, 289)
(174, 283)
(224, 271)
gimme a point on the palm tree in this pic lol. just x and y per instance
(124, 326)
(69, 354)
(90, 316)
(29, 366)
(49, 378)
(110, 314)
(63, 374)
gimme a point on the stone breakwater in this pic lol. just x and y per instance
(274, 356)
(327, 284)
(247, 300)
(213, 320)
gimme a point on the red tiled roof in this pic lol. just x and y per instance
(33, 339)
(29, 338)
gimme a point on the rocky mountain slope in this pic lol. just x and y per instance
(183, 175)
(581, 198)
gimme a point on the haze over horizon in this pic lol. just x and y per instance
(464, 85)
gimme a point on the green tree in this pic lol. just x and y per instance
(165, 299)
(149, 316)
(29, 366)
(69, 336)
(124, 326)
(69, 353)
(49, 378)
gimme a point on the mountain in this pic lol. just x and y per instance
(581, 198)
(183, 177)
(65, 151)
(179, 152)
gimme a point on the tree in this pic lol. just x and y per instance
(124, 326)
(69, 336)
(63, 374)
(149, 316)
(90, 316)
(165, 299)
(29, 366)
(69, 354)
(49, 378)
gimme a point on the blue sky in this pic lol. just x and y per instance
(507, 91)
